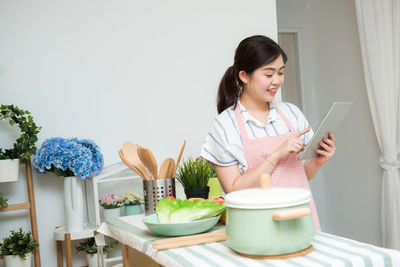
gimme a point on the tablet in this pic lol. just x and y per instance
(331, 120)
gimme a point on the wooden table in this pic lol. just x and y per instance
(329, 250)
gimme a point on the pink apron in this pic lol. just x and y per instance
(289, 172)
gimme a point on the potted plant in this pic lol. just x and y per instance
(90, 248)
(17, 249)
(24, 146)
(215, 186)
(194, 176)
(131, 202)
(75, 160)
(3, 201)
(111, 204)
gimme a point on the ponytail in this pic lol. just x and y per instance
(228, 91)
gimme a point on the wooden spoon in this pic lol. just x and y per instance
(132, 167)
(171, 171)
(179, 157)
(167, 168)
(130, 152)
(148, 160)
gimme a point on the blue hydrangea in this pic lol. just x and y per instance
(81, 157)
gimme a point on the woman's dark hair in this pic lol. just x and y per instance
(252, 53)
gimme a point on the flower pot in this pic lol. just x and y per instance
(197, 193)
(73, 203)
(132, 209)
(111, 213)
(17, 261)
(9, 170)
(93, 259)
(215, 187)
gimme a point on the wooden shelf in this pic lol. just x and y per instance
(31, 207)
(20, 206)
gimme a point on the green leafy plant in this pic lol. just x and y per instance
(89, 246)
(3, 201)
(18, 243)
(194, 174)
(24, 146)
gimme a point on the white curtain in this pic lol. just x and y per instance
(379, 29)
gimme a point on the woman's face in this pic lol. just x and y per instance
(263, 84)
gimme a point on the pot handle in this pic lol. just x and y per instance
(290, 214)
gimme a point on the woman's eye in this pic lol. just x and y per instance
(269, 76)
(280, 73)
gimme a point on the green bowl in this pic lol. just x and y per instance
(178, 229)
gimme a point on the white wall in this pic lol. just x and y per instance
(347, 189)
(145, 71)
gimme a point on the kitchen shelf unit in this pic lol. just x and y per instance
(109, 181)
(32, 209)
(116, 174)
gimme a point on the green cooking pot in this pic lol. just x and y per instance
(269, 222)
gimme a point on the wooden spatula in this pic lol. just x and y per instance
(148, 160)
(167, 168)
(130, 152)
(132, 167)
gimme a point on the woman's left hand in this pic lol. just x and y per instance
(327, 151)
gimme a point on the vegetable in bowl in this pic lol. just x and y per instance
(176, 211)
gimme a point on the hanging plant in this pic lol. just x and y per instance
(24, 146)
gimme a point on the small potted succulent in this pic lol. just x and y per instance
(131, 202)
(194, 176)
(24, 146)
(111, 204)
(17, 249)
(89, 246)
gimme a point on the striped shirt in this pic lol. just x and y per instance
(223, 144)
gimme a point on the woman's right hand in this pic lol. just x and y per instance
(292, 145)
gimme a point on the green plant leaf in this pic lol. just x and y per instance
(25, 144)
(18, 243)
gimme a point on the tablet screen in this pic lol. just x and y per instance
(332, 119)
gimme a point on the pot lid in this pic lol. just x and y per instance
(276, 197)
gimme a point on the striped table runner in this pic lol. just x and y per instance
(329, 250)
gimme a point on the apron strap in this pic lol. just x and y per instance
(283, 117)
(240, 123)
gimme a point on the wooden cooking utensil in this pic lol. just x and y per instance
(130, 152)
(179, 157)
(171, 170)
(190, 240)
(167, 168)
(132, 167)
(148, 160)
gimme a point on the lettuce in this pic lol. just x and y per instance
(177, 211)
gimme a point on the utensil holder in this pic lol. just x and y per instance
(154, 190)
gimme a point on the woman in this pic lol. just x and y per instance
(253, 134)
